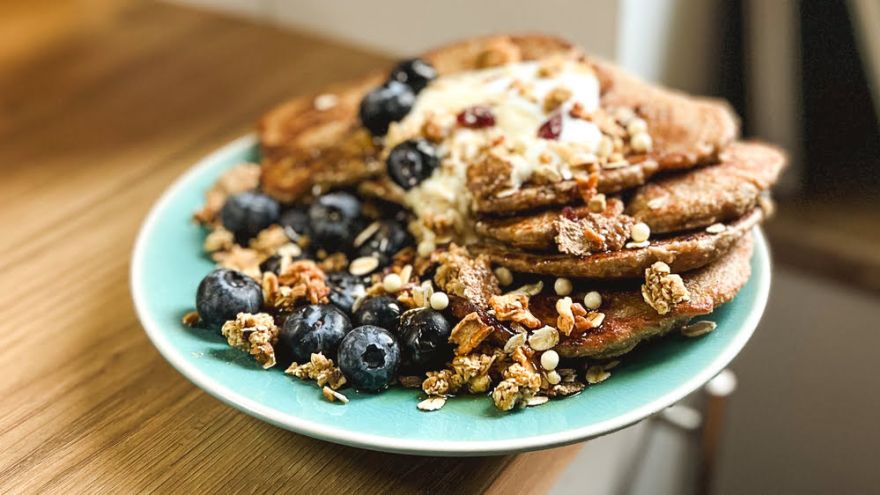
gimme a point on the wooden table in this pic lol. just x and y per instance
(102, 105)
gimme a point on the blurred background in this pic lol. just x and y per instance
(802, 74)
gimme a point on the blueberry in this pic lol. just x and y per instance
(246, 214)
(380, 311)
(424, 339)
(312, 329)
(334, 220)
(223, 293)
(387, 240)
(386, 104)
(415, 73)
(295, 220)
(369, 357)
(344, 289)
(271, 264)
(411, 162)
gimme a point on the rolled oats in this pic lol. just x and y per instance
(469, 333)
(514, 307)
(597, 374)
(332, 395)
(319, 368)
(432, 404)
(515, 341)
(544, 338)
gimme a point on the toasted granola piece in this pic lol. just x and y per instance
(469, 333)
(514, 307)
(306, 281)
(518, 386)
(443, 382)
(269, 240)
(218, 239)
(333, 396)
(682, 253)
(474, 370)
(662, 289)
(254, 334)
(319, 368)
(469, 277)
(240, 178)
(244, 260)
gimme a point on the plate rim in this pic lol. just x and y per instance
(178, 361)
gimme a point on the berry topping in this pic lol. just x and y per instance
(334, 220)
(381, 311)
(246, 214)
(386, 104)
(314, 328)
(295, 220)
(424, 339)
(552, 128)
(411, 162)
(389, 238)
(415, 73)
(344, 289)
(369, 357)
(223, 293)
(476, 117)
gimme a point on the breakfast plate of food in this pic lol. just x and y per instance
(502, 245)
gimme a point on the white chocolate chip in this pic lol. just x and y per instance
(592, 300)
(439, 301)
(550, 360)
(553, 377)
(562, 286)
(641, 142)
(640, 232)
(392, 282)
(363, 265)
(504, 275)
(636, 126)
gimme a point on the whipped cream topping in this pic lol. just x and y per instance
(517, 96)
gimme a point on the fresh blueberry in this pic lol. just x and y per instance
(380, 311)
(335, 219)
(223, 293)
(415, 73)
(295, 220)
(424, 339)
(344, 289)
(386, 104)
(411, 162)
(387, 240)
(314, 328)
(369, 357)
(246, 214)
(271, 264)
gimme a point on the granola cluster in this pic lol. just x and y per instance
(662, 288)
(320, 369)
(254, 334)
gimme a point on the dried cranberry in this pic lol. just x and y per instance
(568, 212)
(476, 117)
(552, 128)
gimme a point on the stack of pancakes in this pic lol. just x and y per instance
(694, 185)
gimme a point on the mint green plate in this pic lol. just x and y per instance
(167, 266)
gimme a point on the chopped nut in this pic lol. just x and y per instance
(301, 279)
(432, 403)
(333, 263)
(597, 203)
(699, 328)
(254, 334)
(663, 289)
(544, 338)
(514, 307)
(469, 333)
(565, 321)
(556, 97)
(596, 319)
(363, 265)
(191, 319)
(597, 374)
(333, 395)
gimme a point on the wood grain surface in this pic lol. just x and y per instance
(102, 105)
